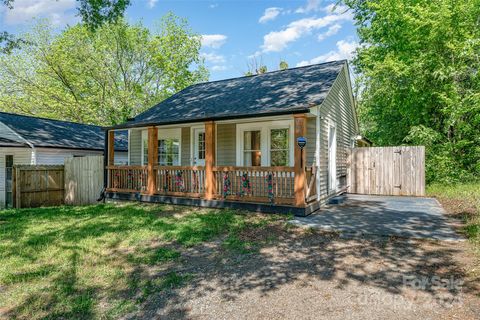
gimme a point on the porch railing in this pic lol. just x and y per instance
(310, 184)
(250, 184)
(255, 184)
(180, 180)
(127, 178)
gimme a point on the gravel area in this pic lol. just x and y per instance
(306, 274)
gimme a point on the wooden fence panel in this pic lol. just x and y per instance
(83, 180)
(388, 171)
(36, 186)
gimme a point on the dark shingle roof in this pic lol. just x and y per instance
(286, 91)
(42, 132)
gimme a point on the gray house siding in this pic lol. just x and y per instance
(185, 147)
(226, 144)
(311, 141)
(337, 109)
(135, 147)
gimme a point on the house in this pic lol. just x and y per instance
(39, 141)
(237, 143)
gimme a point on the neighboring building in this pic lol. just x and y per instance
(32, 140)
(234, 143)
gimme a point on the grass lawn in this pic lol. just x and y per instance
(462, 201)
(103, 261)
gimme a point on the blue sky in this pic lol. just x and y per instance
(234, 32)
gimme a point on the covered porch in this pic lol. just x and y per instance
(270, 172)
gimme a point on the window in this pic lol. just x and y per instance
(168, 152)
(265, 144)
(252, 154)
(168, 147)
(279, 150)
(145, 151)
(201, 146)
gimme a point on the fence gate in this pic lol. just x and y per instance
(83, 179)
(388, 171)
(35, 186)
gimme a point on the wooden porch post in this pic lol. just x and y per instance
(300, 129)
(111, 148)
(152, 159)
(209, 160)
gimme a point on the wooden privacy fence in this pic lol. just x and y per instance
(387, 171)
(83, 179)
(35, 186)
(78, 182)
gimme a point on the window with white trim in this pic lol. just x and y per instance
(252, 154)
(168, 147)
(279, 150)
(265, 143)
(168, 152)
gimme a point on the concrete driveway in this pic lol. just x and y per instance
(409, 217)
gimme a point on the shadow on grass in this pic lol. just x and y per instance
(177, 255)
(65, 298)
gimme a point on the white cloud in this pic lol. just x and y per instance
(332, 30)
(152, 3)
(278, 40)
(345, 50)
(218, 68)
(312, 5)
(335, 8)
(56, 10)
(213, 58)
(213, 40)
(270, 14)
(213, 5)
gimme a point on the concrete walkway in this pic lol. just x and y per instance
(408, 217)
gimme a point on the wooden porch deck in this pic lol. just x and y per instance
(210, 185)
(272, 185)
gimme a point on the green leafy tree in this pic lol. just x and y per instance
(101, 77)
(419, 79)
(94, 13)
(283, 65)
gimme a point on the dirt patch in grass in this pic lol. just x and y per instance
(306, 274)
(139, 262)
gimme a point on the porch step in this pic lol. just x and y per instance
(337, 200)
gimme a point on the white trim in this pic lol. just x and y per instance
(129, 154)
(333, 188)
(192, 140)
(255, 119)
(352, 98)
(264, 128)
(318, 146)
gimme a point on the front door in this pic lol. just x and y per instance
(198, 147)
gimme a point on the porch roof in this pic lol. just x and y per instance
(288, 91)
